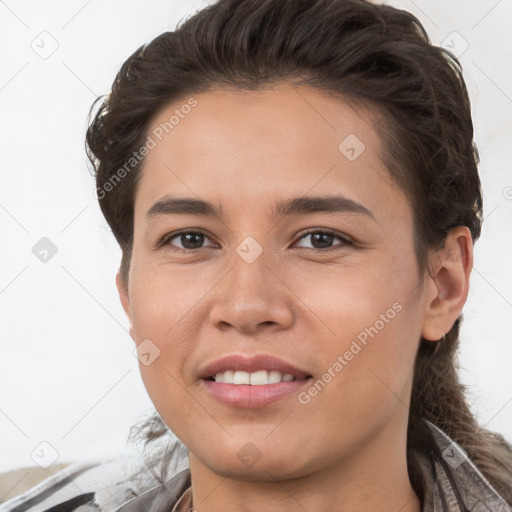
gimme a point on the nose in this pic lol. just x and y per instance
(251, 297)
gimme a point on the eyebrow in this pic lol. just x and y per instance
(304, 205)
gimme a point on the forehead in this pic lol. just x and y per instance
(283, 120)
(242, 147)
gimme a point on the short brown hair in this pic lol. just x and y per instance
(368, 54)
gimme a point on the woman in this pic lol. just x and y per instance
(294, 188)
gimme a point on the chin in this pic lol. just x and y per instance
(248, 463)
(269, 471)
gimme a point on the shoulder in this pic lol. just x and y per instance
(108, 484)
(453, 479)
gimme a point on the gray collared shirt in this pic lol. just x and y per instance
(131, 482)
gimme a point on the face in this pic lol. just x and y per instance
(308, 313)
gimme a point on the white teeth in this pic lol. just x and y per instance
(226, 377)
(241, 378)
(258, 378)
(274, 377)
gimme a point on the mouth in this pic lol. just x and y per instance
(254, 381)
(255, 370)
(257, 378)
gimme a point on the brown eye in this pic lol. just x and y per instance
(324, 239)
(186, 240)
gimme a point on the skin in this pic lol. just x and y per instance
(299, 300)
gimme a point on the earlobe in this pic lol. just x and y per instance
(447, 287)
(125, 299)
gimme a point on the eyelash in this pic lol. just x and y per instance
(165, 240)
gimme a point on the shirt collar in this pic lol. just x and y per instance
(452, 484)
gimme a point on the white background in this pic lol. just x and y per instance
(67, 372)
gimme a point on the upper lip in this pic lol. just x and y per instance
(250, 364)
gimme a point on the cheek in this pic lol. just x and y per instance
(167, 313)
(372, 330)
(164, 299)
(362, 383)
(165, 387)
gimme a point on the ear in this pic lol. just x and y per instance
(448, 284)
(125, 300)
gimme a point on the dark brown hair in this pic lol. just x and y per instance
(374, 56)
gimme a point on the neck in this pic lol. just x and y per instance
(372, 477)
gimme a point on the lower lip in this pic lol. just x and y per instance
(247, 396)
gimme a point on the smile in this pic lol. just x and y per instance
(258, 378)
(251, 381)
